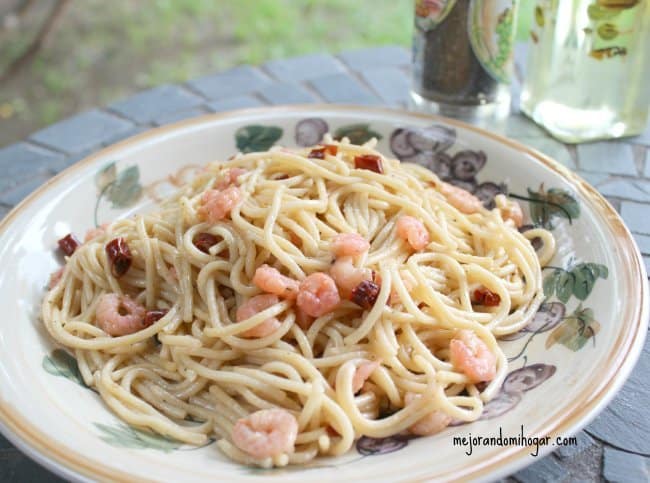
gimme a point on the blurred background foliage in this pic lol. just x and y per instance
(58, 57)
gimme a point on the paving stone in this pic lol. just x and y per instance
(69, 161)
(304, 67)
(235, 103)
(584, 442)
(344, 89)
(635, 190)
(623, 467)
(551, 148)
(607, 157)
(644, 243)
(83, 131)
(376, 56)
(548, 469)
(593, 179)
(135, 130)
(287, 93)
(625, 422)
(20, 161)
(520, 127)
(390, 83)
(643, 138)
(646, 173)
(3, 212)
(17, 193)
(171, 117)
(16, 467)
(4, 442)
(234, 82)
(636, 216)
(153, 103)
(646, 260)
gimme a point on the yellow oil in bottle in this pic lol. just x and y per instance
(588, 68)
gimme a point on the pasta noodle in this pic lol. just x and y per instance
(415, 312)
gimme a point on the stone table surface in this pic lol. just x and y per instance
(614, 447)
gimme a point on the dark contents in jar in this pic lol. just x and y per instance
(451, 73)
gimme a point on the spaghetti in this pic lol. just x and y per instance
(288, 302)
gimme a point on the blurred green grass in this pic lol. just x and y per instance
(101, 51)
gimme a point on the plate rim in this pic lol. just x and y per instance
(67, 462)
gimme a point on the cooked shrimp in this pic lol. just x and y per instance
(432, 423)
(303, 320)
(217, 205)
(119, 315)
(229, 179)
(347, 276)
(349, 244)
(272, 281)
(96, 232)
(510, 210)
(363, 373)
(55, 278)
(317, 294)
(266, 433)
(254, 306)
(469, 354)
(461, 199)
(413, 231)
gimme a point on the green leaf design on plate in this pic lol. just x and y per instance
(549, 283)
(356, 133)
(597, 12)
(545, 205)
(106, 176)
(575, 330)
(126, 189)
(124, 436)
(586, 275)
(564, 286)
(256, 137)
(60, 363)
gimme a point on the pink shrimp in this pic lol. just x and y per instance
(461, 199)
(469, 354)
(362, 374)
(254, 306)
(413, 231)
(432, 423)
(55, 278)
(303, 320)
(217, 205)
(317, 295)
(96, 232)
(230, 178)
(272, 281)
(347, 276)
(266, 433)
(120, 315)
(510, 210)
(349, 244)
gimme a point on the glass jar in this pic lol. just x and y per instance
(462, 56)
(588, 68)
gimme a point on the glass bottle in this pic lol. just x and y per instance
(462, 56)
(588, 68)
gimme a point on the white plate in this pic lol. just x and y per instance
(561, 378)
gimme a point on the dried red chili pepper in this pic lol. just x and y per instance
(331, 149)
(68, 244)
(317, 153)
(119, 256)
(483, 296)
(365, 294)
(203, 241)
(153, 316)
(371, 162)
